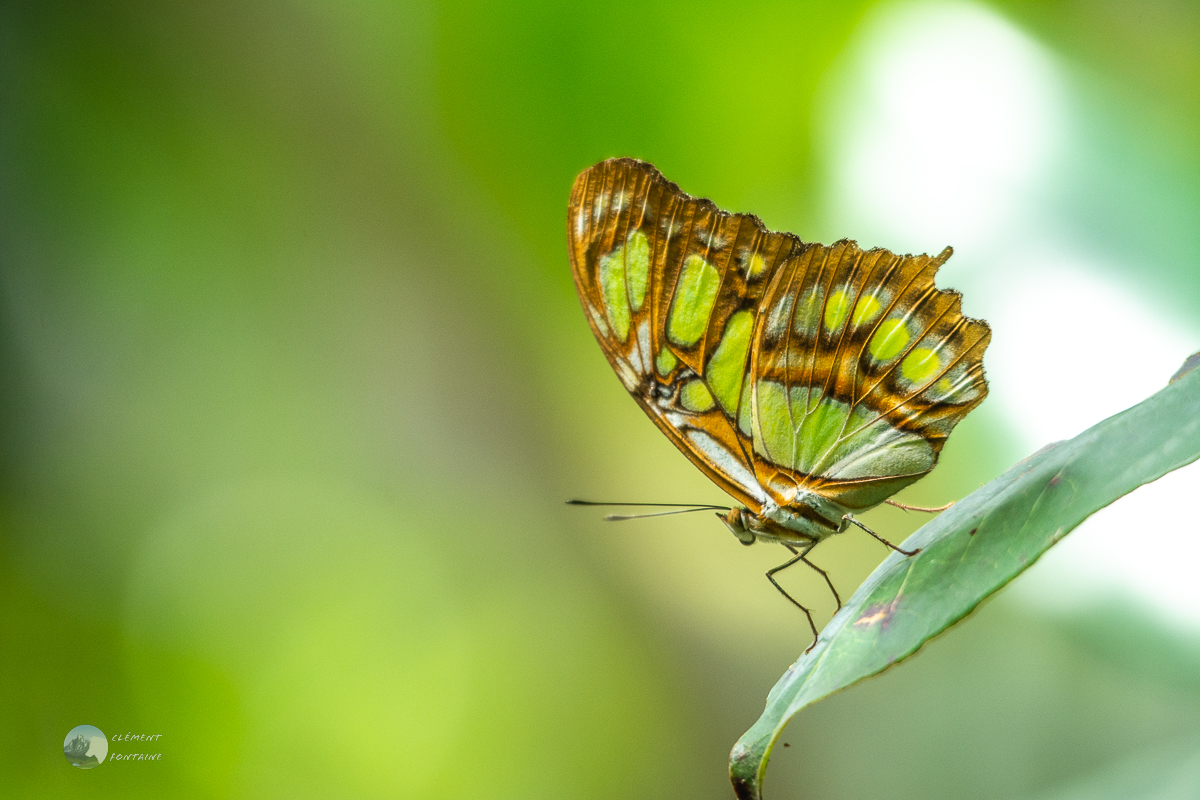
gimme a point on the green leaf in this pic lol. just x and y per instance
(974, 549)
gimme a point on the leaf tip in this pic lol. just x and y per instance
(744, 772)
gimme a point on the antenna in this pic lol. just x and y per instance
(683, 508)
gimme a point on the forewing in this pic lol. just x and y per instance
(671, 286)
(774, 365)
(862, 368)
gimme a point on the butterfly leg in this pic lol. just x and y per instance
(824, 575)
(799, 556)
(927, 510)
(853, 521)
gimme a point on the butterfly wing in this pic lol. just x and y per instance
(862, 368)
(671, 286)
(781, 369)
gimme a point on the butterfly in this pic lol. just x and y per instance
(810, 382)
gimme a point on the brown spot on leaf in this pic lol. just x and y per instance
(1055, 481)
(878, 612)
(973, 531)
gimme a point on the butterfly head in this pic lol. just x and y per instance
(795, 525)
(737, 521)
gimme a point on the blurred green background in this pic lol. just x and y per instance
(295, 383)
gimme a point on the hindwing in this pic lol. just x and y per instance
(778, 367)
(862, 369)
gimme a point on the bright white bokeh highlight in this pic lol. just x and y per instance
(1072, 346)
(953, 117)
(947, 127)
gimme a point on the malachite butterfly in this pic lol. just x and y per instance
(810, 382)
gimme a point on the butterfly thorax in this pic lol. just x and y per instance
(798, 524)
